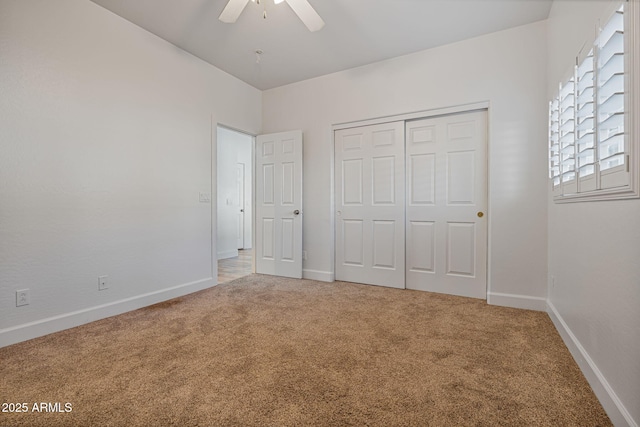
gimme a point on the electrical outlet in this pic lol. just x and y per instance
(102, 283)
(22, 297)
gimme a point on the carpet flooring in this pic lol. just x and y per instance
(268, 351)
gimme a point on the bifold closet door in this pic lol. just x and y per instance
(446, 222)
(370, 203)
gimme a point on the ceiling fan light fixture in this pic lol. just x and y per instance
(302, 8)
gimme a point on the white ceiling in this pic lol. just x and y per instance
(357, 32)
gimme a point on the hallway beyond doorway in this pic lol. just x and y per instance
(236, 267)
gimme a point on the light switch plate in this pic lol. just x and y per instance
(205, 197)
(103, 283)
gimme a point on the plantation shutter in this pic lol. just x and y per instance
(567, 137)
(585, 134)
(612, 155)
(554, 144)
(590, 145)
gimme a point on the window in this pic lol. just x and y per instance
(593, 151)
(567, 126)
(554, 143)
(585, 124)
(611, 145)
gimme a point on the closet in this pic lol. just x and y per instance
(411, 199)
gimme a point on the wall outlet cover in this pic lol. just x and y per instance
(22, 297)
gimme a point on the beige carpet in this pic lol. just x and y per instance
(265, 351)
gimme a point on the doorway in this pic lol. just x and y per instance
(234, 174)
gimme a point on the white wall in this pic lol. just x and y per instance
(505, 68)
(594, 253)
(233, 148)
(106, 137)
(105, 143)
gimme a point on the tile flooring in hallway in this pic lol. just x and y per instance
(236, 267)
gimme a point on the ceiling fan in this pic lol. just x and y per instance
(302, 8)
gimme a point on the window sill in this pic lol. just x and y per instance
(620, 193)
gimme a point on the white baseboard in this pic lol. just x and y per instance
(228, 254)
(322, 276)
(517, 301)
(603, 391)
(61, 322)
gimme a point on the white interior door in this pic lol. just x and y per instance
(241, 207)
(279, 204)
(446, 225)
(370, 204)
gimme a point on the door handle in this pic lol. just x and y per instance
(296, 212)
(241, 210)
(480, 214)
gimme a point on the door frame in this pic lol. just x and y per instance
(423, 114)
(214, 193)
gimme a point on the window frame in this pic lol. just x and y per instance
(631, 189)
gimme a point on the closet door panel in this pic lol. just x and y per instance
(369, 195)
(446, 219)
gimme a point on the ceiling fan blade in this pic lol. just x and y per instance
(307, 14)
(232, 11)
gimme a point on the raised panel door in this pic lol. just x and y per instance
(370, 196)
(446, 238)
(279, 204)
